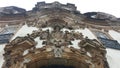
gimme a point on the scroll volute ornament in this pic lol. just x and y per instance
(96, 50)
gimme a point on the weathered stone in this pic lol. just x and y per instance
(58, 48)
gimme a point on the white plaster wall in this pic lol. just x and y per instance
(24, 31)
(115, 35)
(1, 54)
(113, 58)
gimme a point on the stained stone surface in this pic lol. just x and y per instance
(58, 35)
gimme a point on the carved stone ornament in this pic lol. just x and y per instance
(57, 48)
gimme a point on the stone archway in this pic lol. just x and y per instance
(57, 66)
(57, 63)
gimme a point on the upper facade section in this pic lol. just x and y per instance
(45, 12)
(43, 5)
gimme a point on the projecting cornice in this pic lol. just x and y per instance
(43, 12)
(43, 5)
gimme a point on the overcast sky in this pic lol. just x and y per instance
(108, 6)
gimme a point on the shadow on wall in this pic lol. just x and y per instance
(57, 66)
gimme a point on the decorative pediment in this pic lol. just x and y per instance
(22, 50)
(56, 41)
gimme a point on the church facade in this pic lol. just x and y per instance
(53, 37)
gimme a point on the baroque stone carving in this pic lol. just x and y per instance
(57, 47)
